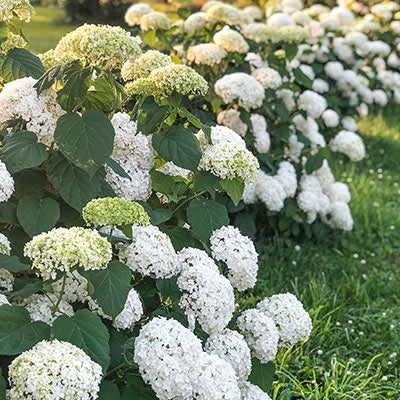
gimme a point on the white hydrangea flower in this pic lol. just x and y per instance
(320, 86)
(231, 119)
(216, 379)
(206, 54)
(151, 252)
(339, 191)
(278, 20)
(61, 249)
(380, 97)
(252, 392)
(308, 71)
(3, 300)
(250, 193)
(226, 13)
(54, 370)
(287, 177)
(310, 129)
(6, 280)
(169, 168)
(381, 11)
(207, 295)
(231, 40)
(19, 99)
(340, 216)
(242, 87)
(287, 96)
(292, 320)
(40, 307)
(331, 118)
(168, 354)
(190, 257)
(220, 134)
(260, 333)
(135, 12)
(131, 313)
(295, 148)
(5, 246)
(239, 254)
(254, 12)
(313, 103)
(231, 346)
(20, 8)
(324, 176)
(349, 124)
(376, 47)
(343, 15)
(262, 140)
(75, 288)
(270, 191)
(350, 144)
(268, 77)
(334, 69)
(194, 22)
(229, 161)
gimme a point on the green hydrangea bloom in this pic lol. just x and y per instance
(115, 211)
(153, 21)
(13, 41)
(227, 14)
(22, 8)
(262, 33)
(162, 82)
(62, 249)
(102, 46)
(144, 65)
(49, 60)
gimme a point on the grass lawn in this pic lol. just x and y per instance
(45, 29)
(349, 283)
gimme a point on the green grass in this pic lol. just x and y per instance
(45, 29)
(349, 283)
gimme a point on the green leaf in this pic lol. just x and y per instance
(76, 84)
(234, 188)
(184, 12)
(204, 180)
(86, 331)
(262, 374)
(183, 112)
(111, 286)
(87, 140)
(150, 37)
(161, 183)
(291, 50)
(151, 115)
(157, 216)
(73, 184)
(246, 224)
(29, 182)
(109, 391)
(12, 263)
(286, 394)
(205, 216)
(118, 169)
(302, 79)
(21, 150)
(37, 215)
(17, 332)
(169, 288)
(179, 145)
(24, 288)
(20, 63)
(8, 212)
(180, 237)
(3, 385)
(314, 162)
(138, 390)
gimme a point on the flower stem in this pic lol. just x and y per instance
(55, 309)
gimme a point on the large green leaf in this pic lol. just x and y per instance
(3, 385)
(205, 216)
(234, 188)
(17, 332)
(12, 263)
(73, 184)
(87, 140)
(179, 145)
(111, 286)
(20, 63)
(262, 374)
(109, 391)
(314, 162)
(37, 215)
(86, 331)
(29, 181)
(151, 115)
(21, 150)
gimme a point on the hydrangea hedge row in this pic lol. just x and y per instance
(132, 172)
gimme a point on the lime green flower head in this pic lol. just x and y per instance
(162, 82)
(21, 8)
(115, 211)
(13, 41)
(102, 46)
(49, 60)
(155, 20)
(144, 65)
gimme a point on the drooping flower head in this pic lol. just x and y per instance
(115, 211)
(144, 65)
(54, 370)
(61, 249)
(162, 82)
(102, 46)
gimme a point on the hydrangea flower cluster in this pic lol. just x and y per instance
(239, 254)
(6, 183)
(115, 211)
(135, 12)
(154, 20)
(231, 40)
(54, 370)
(21, 8)
(100, 46)
(206, 54)
(62, 249)
(19, 99)
(350, 144)
(150, 253)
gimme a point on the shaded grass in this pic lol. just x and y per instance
(349, 283)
